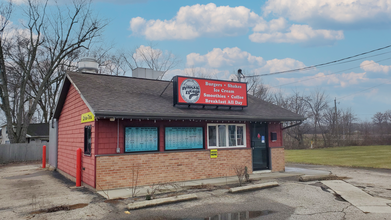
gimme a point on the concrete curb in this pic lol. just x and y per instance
(155, 202)
(253, 187)
(307, 178)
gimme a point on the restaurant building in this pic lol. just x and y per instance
(167, 130)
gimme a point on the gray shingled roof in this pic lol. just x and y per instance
(128, 97)
(38, 130)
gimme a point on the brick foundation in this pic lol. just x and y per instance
(277, 159)
(116, 171)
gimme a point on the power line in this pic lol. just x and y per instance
(329, 74)
(322, 64)
(349, 61)
(363, 90)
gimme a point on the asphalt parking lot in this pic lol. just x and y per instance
(29, 192)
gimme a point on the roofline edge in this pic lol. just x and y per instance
(202, 117)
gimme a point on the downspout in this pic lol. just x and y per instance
(118, 150)
(299, 123)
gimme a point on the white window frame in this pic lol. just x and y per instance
(227, 136)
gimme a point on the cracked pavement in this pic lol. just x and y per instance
(290, 200)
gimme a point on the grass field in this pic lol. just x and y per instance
(357, 156)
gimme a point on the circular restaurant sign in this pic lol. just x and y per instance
(190, 91)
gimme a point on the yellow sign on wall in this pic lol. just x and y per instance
(87, 117)
(213, 153)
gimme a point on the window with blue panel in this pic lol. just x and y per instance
(141, 139)
(184, 138)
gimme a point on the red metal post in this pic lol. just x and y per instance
(78, 167)
(44, 156)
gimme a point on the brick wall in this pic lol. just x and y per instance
(276, 148)
(116, 171)
(71, 137)
(278, 159)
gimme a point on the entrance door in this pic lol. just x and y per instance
(259, 146)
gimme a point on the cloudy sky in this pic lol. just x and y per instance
(261, 37)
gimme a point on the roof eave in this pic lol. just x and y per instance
(102, 114)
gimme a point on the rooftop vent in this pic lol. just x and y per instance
(88, 65)
(146, 73)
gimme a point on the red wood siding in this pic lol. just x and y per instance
(277, 128)
(71, 137)
(107, 134)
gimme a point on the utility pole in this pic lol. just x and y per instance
(336, 120)
(240, 75)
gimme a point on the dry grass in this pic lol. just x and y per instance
(354, 156)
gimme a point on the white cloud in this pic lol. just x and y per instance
(372, 66)
(223, 64)
(17, 2)
(372, 92)
(12, 32)
(194, 21)
(226, 57)
(235, 58)
(271, 26)
(298, 34)
(209, 20)
(197, 72)
(277, 65)
(326, 13)
(343, 80)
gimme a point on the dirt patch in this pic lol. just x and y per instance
(338, 178)
(318, 178)
(28, 175)
(26, 183)
(339, 197)
(203, 186)
(61, 208)
(13, 164)
(114, 201)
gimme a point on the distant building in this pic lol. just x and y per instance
(36, 133)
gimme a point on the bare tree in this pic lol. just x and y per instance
(347, 121)
(387, 116)
(257, 88)
(317, 103)
(378, 118)
(297, 104)
(150, 57)
(382, 127)
(53, 34)
(200, 72)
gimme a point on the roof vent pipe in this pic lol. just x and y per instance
(88, 65)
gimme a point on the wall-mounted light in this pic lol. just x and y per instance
(112, 119)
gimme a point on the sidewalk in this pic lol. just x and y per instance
(257, 175)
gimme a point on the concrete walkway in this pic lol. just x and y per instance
(260, 175)
(358, 198)
(303, 171)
